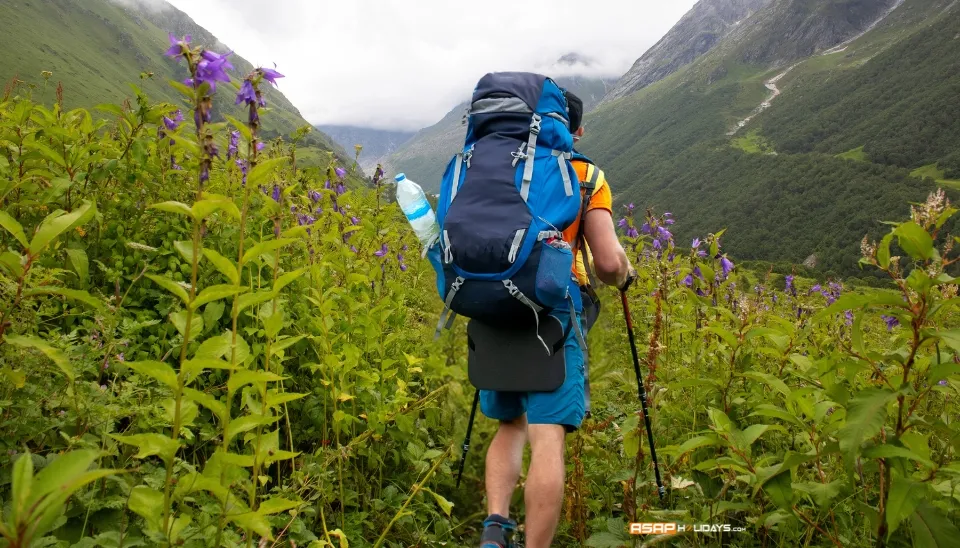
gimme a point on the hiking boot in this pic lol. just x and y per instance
(498, 532)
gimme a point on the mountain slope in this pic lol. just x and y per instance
(694, 35)
(376, 142)
(94, 47)
(776, 183)
(425, 156)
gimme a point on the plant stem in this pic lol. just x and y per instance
(416, 489)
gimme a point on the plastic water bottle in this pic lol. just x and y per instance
(417, 209)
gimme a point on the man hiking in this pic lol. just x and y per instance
(544, 418)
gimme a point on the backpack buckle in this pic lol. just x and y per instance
(535, 125)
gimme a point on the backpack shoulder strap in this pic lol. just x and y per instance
(589, 185)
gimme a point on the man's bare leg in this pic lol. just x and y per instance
(504, 460)
(543, 495)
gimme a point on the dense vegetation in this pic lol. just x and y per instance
(203, 344)
(900, 107)
(892, 103)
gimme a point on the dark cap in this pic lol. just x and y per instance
(575, 107)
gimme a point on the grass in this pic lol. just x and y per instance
(753, 143)
(856, 154)
(931, 171)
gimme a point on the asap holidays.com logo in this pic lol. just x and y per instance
(671, 528)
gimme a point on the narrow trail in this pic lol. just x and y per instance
(770, 84)
(843, 46)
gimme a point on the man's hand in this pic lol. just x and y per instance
(631, 277)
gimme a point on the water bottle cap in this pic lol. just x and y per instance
(399, 177)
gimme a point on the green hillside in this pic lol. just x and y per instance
(95, 48)
(889, 97)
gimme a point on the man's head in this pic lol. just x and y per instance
(575, 107)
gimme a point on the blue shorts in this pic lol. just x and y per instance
(564, 406)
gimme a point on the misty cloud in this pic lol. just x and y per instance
(397, 64)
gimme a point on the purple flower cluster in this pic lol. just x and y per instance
(890, 321)
(234, 142)
(831, 292)
(789, 287)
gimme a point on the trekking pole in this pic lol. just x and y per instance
(643, 394)
(466, 440)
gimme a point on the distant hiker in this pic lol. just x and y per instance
(511, 217)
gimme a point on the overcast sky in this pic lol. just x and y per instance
(403, 64)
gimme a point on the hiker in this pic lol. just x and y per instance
(544, 418)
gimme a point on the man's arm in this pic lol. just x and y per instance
(609, 258)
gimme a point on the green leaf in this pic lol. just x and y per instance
(204, 208)
(951, 337)
(156, 370)
(263, 247)
(905, 495)
(189, 144)
(767, 410)
(14, 228)
(192, 368)
(215, 347)
(185, 248)
(179, 208)
(22, 483)
(286, 279)
(247, 423)
(215, 293)
(80, 264)
(942, 371)
(276, 505)
(753, 432)
(240, 126)
(721, 422)
(769, 380)
(276, 400)
(822, 493)
(272, 318)
(253, 521)
(170, 285)
(727, 336)
(931, 529)
(914, 240)
(224, 204)
(212, 313)
(151, 444)
(283, 344)
(224, 265)
(250, 299)
(148, 504)
(445, 505)
(55, 354)
(245, 377)
(75, 294)
(61, 472)
(48, 153)
(208, 401)
(780, 489)
(883, 251)
(263, 170)
(888, 451)
(696, 443)
(12, 263)
(55, 225)
(179, 320)
(865, 415)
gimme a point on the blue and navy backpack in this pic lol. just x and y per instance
(504, 201)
